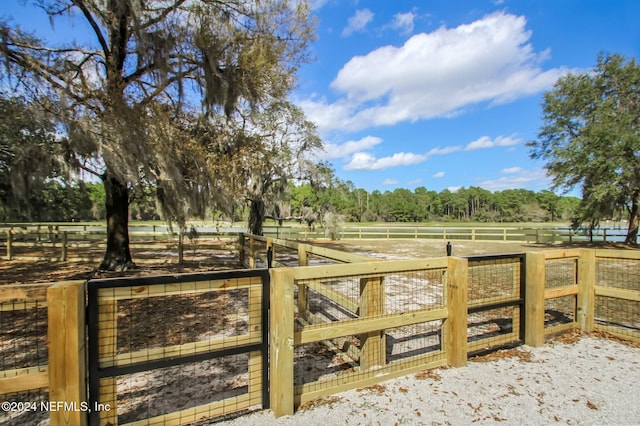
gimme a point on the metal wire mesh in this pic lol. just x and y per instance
(616, 314)
(356, 357)
(559, 310)
(495, 300)
(145, 332)
(23, 351)
(561, 272)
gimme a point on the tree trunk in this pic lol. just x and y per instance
(634, 223)
(256, 216)
(117, 256)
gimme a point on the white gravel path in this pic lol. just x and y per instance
(593, 381)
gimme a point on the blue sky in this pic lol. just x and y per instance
(438, 93)
(445, 94)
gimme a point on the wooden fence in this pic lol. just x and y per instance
(86, 242)
(61, 368)
(347, 321)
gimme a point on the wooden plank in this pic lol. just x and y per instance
(349, 352)
(534, 299)
(618, 293)
(24, 292)
(378, 268)
(67, 351)
(316, 333)
(201, 412)
(562, 254)
(281, 341)
(567, 290)
(586, 290)
(455, 325)
(24, 379)
(344, 382)
(335, 296)
(159, 290)
(372, 342)
(617, 254)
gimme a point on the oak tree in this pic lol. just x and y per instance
(148, 62)
(591, 138)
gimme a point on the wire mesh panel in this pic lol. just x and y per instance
(561, 272)
(23, 353)
(385, 308)
(617, 305)
(495, 298)
(561, 293)
(559, 310)
(178, 349)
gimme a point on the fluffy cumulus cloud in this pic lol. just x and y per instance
(439, 175)
(366, 161)
(436, 74)
(358, 22)
(350, 147)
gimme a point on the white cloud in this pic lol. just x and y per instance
(403, 22)
(520, 179)
(486, 142)
(350, 147)
(439, 175)
(511, 170)
(414, 182)
(358, 22)
(366, 161)
(443, 151)
(390, 182)
(436, 74)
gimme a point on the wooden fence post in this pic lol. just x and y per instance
(455, 326)
(180, 247)
(281, 341)
(9, 244)
(67, 352)
(252, 252)
(586, 289)
(372, 297)
(241, 251)
(63, 253)
(534, 299)
(303, 291)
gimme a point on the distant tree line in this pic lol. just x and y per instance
(423, 205)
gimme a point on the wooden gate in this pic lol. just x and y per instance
(177, 349)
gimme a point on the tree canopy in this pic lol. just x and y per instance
(136, 97)
(591, 138)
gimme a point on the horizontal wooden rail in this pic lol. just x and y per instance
(568, 290)
(372, 268)
(315, 333)
(178, 289)
(24, 379)
(618, 293)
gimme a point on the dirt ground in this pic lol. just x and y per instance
(28, 272)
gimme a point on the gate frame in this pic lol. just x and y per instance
(96, 373)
